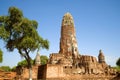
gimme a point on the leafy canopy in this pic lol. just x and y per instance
(24, 63)
(5, 68)
(20, 33)
(1, 55)
(43, 59)
(118, 62)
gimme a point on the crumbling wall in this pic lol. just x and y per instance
(23, 72)
(85, 77)
(54, 71)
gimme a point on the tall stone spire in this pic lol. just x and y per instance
(68, 43)
(37, 59)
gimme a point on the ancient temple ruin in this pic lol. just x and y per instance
(68, 63)
(69, 58)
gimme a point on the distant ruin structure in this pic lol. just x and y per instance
(37, 59)
(101, 57)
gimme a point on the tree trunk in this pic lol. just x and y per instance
(30, 68)
(27, 57)
(30, 73)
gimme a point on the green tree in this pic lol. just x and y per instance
(1, 56)
(13, 68)
(5, 68)
(24, 63)
(43, 59)
(118, 62)
(21, 33)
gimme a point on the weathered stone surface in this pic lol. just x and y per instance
(68, 43)
(54, 71)
(23, 73)
(55, 57)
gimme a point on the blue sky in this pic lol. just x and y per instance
(97, 24)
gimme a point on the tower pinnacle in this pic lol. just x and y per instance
(67, 20)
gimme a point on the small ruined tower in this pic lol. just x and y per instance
(68, 42)
(37, 59)
(101, 57)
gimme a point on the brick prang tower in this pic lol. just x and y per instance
(68, 42)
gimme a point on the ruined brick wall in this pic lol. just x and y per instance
(24, 74)
(85, 77)
(54, 71)
(60, 72)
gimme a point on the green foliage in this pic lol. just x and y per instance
(13, 68)
(118, 62)
(5, 68)
(117, 68)
(43, 59)
(21, 33)
(1, 55)
(24, 63)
